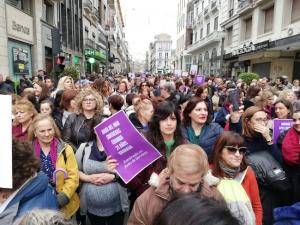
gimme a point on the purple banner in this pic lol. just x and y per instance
(124, 143)
(281, 125)
(199, 79)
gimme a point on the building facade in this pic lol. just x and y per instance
(161, 54)
(28, 31)
(33, 33)
(183, 38)
(118, 46)
(95, 43)
(262, 36)
(206, 37)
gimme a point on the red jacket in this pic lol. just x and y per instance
(18, 134)
(250, 185)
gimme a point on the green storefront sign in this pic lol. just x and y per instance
(94, 54)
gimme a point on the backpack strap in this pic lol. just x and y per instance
(65, 156)
(240, 177)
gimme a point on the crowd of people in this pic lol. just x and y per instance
(220, 163)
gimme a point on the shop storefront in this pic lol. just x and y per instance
(95, 61)
(20, 41)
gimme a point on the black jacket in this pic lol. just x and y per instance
(78, 129)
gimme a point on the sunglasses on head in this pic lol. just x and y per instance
(232, 149)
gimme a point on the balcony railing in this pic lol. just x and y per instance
(88, 6)
(213, 37)
(244, 6)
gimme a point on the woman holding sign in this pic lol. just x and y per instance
(102, 198)
(165, 135)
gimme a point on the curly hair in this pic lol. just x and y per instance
(82, 94)
(25, 163)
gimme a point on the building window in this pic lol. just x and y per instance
(208, 29)
(160, 55)
(166, 55)
(23, 5)
(48, 12)
(201, 33)
(295, 11)
(231, 7)
(269, 15)
(248, 28)
(195, 37)
(229, 36)
(216, 23)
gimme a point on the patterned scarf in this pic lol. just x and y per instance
(53, 150)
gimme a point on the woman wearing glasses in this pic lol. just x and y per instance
(228, 162)
(258, 139)
(77, 128)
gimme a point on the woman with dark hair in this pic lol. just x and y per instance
(283, 109)
(103, 87)
(115, 103)
(165, 135)
(46, 107)
(144, 89)
(202, 92)
(229, 162)
(193, 209)
(250, 100)
(41, 91)
(197, 128)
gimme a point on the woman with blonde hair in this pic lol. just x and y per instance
(64, 83)
(24, 112)
(58, 162)
(77, 128)
(265, 100)
(143, 108)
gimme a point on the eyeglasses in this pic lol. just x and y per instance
(232, 149)
(144, 85)
(89, 99)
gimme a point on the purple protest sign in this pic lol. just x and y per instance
(281, 125)
(124, 143)
(199, 79)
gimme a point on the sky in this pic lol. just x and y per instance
(146, 18)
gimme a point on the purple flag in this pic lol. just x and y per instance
(199, 79)
(124, 143)
(281, 125)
